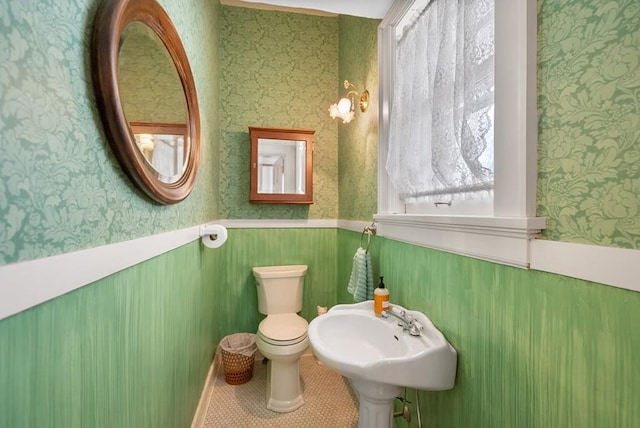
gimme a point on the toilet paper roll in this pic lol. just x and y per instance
(213, 235)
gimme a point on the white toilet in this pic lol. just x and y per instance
(282, 335)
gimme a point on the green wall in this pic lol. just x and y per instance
(278, 71)
(153, 96)
(589, 129)
(236, 294)
(358, 148)
(61, 188)
(132, 349)
(534, 349)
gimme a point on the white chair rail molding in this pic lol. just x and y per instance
(27, 284)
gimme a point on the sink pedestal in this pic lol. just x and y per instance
(376, 403)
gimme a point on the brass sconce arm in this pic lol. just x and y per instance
(345, 108)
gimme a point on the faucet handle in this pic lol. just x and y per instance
(415, 328)
(397, 312)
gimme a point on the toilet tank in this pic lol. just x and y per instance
(280, 288)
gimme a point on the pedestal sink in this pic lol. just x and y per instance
(381, 357)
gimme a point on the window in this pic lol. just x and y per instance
(499, 231)
(441, 122)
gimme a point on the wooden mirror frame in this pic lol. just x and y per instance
(111, 19)
(305, 135)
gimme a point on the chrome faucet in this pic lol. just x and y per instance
(407, 322)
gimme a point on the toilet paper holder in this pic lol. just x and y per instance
(208, 231)
(213, 235)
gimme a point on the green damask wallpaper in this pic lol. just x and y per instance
(358, 150)
(155, 95)
(589, 131)
(277, 70)
(61, 189)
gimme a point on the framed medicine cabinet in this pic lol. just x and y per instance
(281, 166)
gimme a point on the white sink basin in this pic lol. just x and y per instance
(353, 341)
(380, 357)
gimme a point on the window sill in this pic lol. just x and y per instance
(504, 240)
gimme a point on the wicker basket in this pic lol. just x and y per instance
(238, 368)
(238, 351)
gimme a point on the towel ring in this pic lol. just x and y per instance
(368, 238)
(369, 230)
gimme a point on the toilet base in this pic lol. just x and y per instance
(285, 395)
(284, 390)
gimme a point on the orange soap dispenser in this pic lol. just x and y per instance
(380, 298)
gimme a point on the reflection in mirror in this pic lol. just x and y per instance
(153, 101)
(163, 147)
(281, 166)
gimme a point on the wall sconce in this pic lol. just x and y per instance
(145, 141)
(345, 108)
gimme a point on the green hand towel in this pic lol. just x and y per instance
(357, 281)
(361, 280)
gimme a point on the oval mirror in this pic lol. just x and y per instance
(147, 98)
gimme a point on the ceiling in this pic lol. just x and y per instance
(363, 8)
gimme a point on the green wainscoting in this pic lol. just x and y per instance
(348, 243)
(236, 295)
(534, 349)
(131, 350)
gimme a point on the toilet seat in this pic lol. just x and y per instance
(283, 329)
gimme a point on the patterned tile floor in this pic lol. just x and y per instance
(329, 401)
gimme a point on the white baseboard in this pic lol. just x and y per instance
(207, 390)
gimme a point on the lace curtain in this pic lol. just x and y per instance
(441, 123)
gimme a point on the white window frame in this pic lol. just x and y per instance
(503, 236)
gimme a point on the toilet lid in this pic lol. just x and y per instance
(283, 329)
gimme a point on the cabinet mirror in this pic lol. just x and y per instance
(281, 166)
